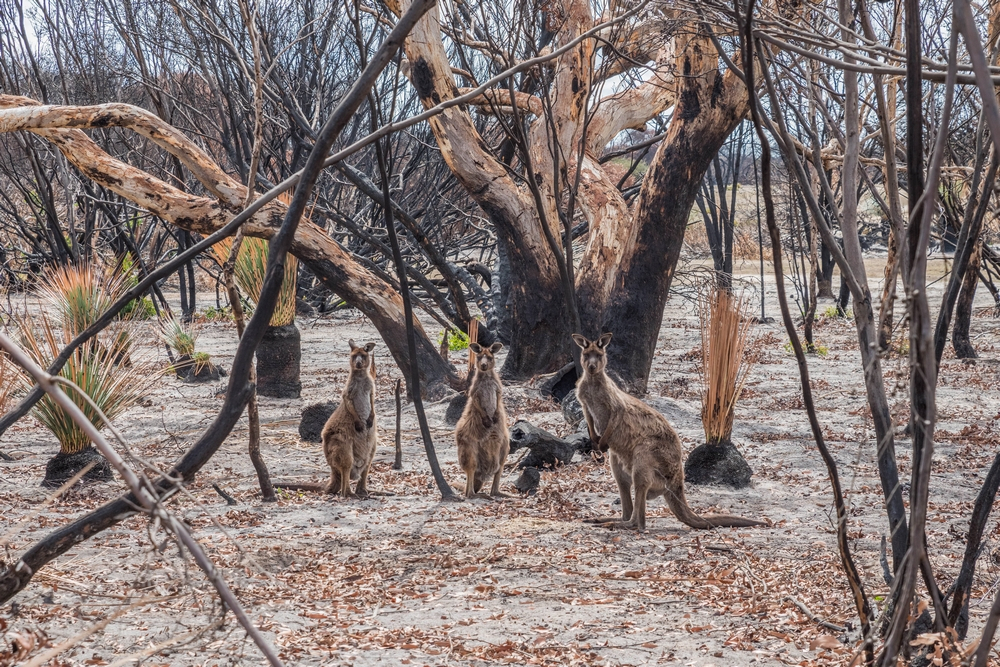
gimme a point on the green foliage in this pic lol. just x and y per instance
(201, 360)
(138, 309)
(831, 312)
(213, 314)
(180, 338)
(457, 340)
(817, 348)
(99, 370)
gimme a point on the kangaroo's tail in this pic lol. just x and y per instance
(678, 505)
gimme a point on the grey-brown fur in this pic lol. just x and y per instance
(350, 434)
(645, 452)
(481, 433)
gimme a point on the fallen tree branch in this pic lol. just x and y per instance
(813, 617)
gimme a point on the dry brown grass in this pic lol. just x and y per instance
(725, 332)
(8, 381)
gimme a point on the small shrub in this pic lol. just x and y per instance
(816, 348)
(201, 360)
(138, 309)
(180, 338)
(832, 312)
(213, 314)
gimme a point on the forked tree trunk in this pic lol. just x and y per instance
(709, 109)
(630, 254)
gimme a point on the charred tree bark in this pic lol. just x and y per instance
(963, 309)
(709, 108)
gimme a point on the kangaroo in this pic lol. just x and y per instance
(350, 434)
(481, 433)
(645, 450)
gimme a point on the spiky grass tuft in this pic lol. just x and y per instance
(79, 294)
(179, 337)
(251, 266)
(96, 368)
(725, 332)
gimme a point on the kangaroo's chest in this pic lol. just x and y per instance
(596, 402)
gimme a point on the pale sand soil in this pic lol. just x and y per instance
(409, 580)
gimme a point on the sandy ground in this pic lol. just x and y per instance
(406, 579)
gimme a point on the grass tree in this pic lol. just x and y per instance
(725, 333)
(280, 353)
(190, 365)
(101, 368)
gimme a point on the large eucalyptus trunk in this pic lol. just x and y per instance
(706, 113)
(537, 314)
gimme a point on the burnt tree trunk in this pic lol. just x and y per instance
(709, 108)
(279, 359)
(537, 311)
(825, 278)
(963, 309)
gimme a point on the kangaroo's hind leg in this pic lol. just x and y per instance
(361, 490)
(635, 518)
(624, 481)
(345, 476)
(495, 491)
(470, 481)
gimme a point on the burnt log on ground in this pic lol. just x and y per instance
(582, 443)
(557, 385)
(546, 449)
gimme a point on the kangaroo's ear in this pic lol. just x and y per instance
(476, 347)
(581, 341)
(496, 347)
(604, 340)
(369, 347)
(351, 343)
